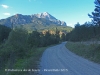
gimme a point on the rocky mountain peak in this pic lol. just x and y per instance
(45, 13)
(47, 16)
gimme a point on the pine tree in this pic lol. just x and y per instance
(4, 33)
(96, 14)
(57, 36)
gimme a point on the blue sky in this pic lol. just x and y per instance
(70, 11)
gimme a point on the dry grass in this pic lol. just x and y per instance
(89, 51)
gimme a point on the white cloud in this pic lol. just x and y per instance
(5, 6)
(7, 14)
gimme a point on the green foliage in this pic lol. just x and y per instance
(63, 37)
(4, 33)
(16, 47)
(50, 39)
(34, 39)
(90, 51)
(96, 13)
(47, 38)
(18, 41)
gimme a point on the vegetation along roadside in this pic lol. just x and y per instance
(89, 51)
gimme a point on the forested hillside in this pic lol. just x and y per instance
(20, 48)
(40, 27)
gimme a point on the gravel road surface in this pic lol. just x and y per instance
(58, 60)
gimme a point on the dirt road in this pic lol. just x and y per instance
(58, 60)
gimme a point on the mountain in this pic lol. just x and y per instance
(42, 19)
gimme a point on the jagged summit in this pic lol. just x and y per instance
(45, 13)
(47, 16)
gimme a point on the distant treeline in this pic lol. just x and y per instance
(84, 32)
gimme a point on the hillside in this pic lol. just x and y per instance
(40, 27)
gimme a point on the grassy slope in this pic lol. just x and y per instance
(91, 51)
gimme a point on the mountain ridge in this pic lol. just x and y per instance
(43, 18)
